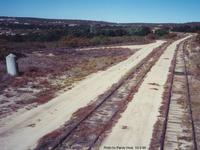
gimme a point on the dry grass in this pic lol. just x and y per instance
(52, 74)
(194, 82)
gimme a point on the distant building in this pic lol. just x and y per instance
(155, 28)
(72, 25)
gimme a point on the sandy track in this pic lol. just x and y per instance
(141, 114)
(22, 131)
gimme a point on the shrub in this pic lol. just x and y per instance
(3, 53)
(161, 32)
(70, 41)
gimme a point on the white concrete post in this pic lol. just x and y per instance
(11, 65)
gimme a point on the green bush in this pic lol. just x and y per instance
(161, 32)
(3, 53)
(139, 31)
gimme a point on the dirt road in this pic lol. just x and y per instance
(21, 131)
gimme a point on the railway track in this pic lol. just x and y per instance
(179, 131)
(87, 125)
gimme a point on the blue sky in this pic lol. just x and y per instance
(105, 10)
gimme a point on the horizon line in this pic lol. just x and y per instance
(47, 18)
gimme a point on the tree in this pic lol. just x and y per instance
(161, 32)
(140, 31)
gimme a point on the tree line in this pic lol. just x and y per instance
(83, 31)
